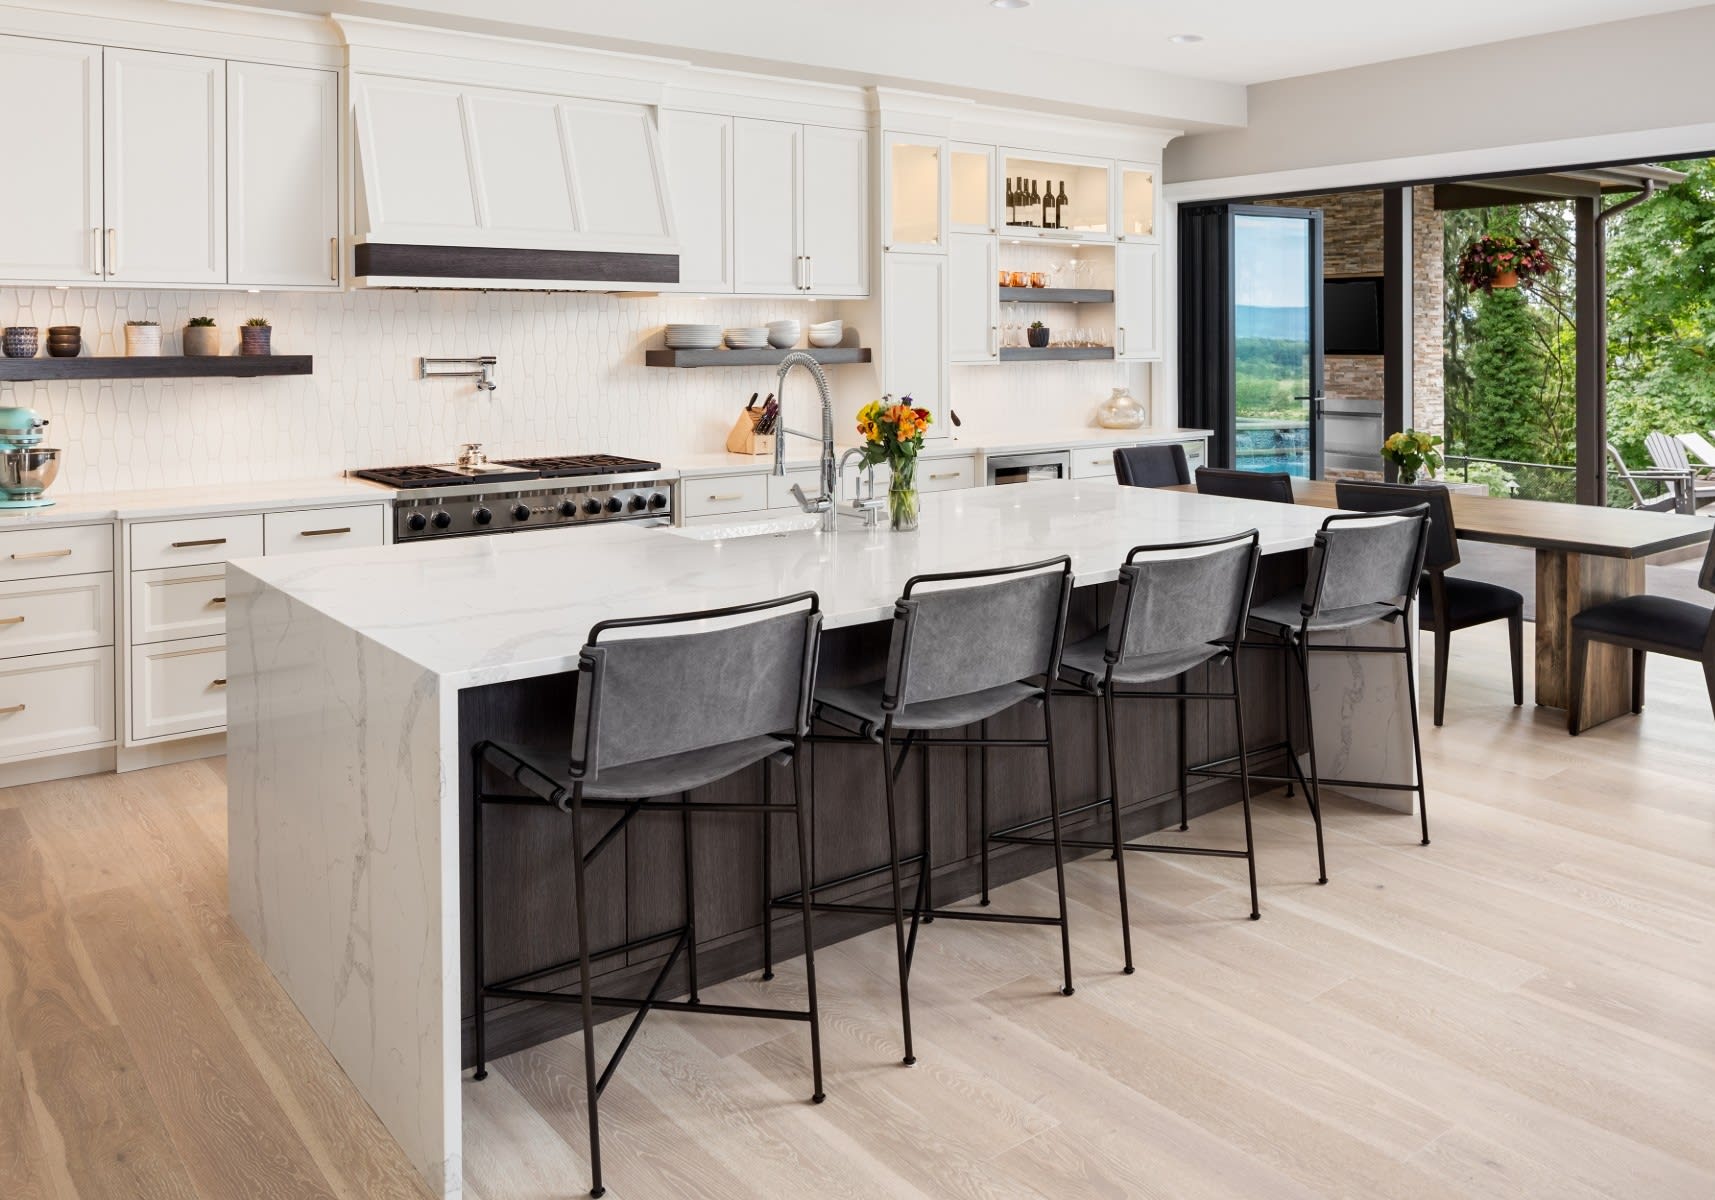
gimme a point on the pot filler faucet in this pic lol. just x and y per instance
(824, 503)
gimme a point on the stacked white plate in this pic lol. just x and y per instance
(693, 337)
(827, 333)
(747, 337)
(783, 335)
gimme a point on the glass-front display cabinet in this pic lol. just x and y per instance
(972, 208)
(1134, 202)
(1046, 196)
(915, 214)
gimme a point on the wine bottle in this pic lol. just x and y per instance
(1033, 199)
(1060, 202)
(1011, 202)
(1047, 203)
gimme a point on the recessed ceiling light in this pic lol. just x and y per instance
(1009, 3)
(1186, 39)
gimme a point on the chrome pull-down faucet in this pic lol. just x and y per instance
(827, 502)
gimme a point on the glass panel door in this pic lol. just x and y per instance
(1136, 202)
(1276, 262)
(915, 214)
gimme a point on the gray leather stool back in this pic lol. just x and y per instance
(1365, 561)
(1164, 605)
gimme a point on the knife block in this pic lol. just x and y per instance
(744, 439)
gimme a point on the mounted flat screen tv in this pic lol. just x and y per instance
(1352, 315)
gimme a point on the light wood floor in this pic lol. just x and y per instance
(1525, 1008)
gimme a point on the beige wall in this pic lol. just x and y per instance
(1646, 74)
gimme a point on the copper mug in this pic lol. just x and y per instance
(1019, 279)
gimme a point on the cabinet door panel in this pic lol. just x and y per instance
(165, 158)
(413, 187)
(766, 174)
(1137, 294)
(53, 210)
(282, 154)
(699, 154)
(915, 333)
(973, 288)
(617, 169)
(914, 194)
(836, 216)
(521, 185)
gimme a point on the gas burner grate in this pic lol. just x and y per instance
(560, 466)
(436, 476)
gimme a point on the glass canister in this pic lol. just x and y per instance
(1120, 411)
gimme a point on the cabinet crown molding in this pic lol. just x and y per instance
(176, 27)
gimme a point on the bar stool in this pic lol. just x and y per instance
(1364, 568)
(1176, 607)
(668, 706)
(1273, 486)
(965, 646)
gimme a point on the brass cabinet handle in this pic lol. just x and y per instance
(944, 475)
(199, 542)
(95, 252)
(323, 532)
(721, 499)
(218, 600)
(42, 554)
(112, 251)
(333, 258)
(11, 620)
(217, 683)
(7, 712)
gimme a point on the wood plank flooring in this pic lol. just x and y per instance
(1522, 1009)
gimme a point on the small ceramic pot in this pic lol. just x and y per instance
(202, 341)
(1038, 337)
(255, 340)
(20, 341)
(64, 341)
(143, 341)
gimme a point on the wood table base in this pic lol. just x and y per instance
(1566, 584)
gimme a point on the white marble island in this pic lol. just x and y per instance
(346, 747)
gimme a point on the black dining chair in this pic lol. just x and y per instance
(1445, 602)
(1274, 486)
(1646, 625)
(1152, 466)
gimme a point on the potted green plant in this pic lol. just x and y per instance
(143, 339)
(1413, 453)
(202, 339)
(256, 337)
(1038, 334)
(1503, 261)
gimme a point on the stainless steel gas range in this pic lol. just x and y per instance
(475, 495)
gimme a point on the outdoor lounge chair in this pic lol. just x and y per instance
(1678, 485)
(1701, 450)
(1668, 454)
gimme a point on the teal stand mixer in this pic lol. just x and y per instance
(26, 466)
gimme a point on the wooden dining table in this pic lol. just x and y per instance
(1584, 556)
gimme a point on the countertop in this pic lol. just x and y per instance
(151, 503)
(489, 609)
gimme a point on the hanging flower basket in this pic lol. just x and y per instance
(1503, 262)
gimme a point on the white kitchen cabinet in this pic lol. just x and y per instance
(947, 474)
(282, 152)
(914, 342)
(307, 530)
(715, 495)
(178, 602)
(767, 200)
(972, 205)
(836, 206)
(43, 616)
(698, 150)
(53, 702)
(164, 177)
(51, 93)
(973, 313)
(913, 194)
(1134, 202)
(178, 687)
(1137, 301)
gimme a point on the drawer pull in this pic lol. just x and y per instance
(11, 620)
(323, 532)
(199, 542)
(42, 554)
(12, 710)
(217, 683)
(726, 496)
(944, 475)
(218, 600)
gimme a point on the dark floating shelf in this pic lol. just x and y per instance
(1054, 353)
(1059, 295)
(162, 367)
(832, 357)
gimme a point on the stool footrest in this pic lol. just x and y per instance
(572, 963)
(1150, 847)
(950, 914)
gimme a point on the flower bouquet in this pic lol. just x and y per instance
(893, 434)
(1413, 453)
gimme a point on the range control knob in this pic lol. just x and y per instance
(568, 508)
(658, 500)
(613, 504)
(441, 519)
(638, 504)
(520, 512)
(482, 516)
(592, 506)
(416, 522)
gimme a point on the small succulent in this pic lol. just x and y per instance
(142, 322)
(1038, 325)
(202, 323)
(258, 322)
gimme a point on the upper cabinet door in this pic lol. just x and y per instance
(282, 154)
(1134, 203)
(914, 194)
(767, 176)
(51, 229)
(914, 333)
(836, 208)
(972, 207)
(165, 177)
(973, 298)
(1137, 301)
(698, 150)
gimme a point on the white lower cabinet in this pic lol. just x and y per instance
(52, 702)
(178, 687)
(1093, 462)
(43, 616)
(714, 495)
(303, 530)
(178, 602)
(1196, 453)
(947, 474)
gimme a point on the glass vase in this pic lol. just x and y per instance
(902, 500)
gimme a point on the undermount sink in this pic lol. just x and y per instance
(767, 527)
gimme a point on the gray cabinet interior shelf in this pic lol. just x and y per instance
(833, 357)
(1032, 295)
(166, 366)
(1054, 353)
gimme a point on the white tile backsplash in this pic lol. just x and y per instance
(571, 378)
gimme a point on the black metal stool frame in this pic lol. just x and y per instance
(544, 792)
(1107, 699)
(1297, 647)
(923, 908)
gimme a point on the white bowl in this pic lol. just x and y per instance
(781, 339)
(825, 338)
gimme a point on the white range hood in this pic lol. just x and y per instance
(466, 186)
